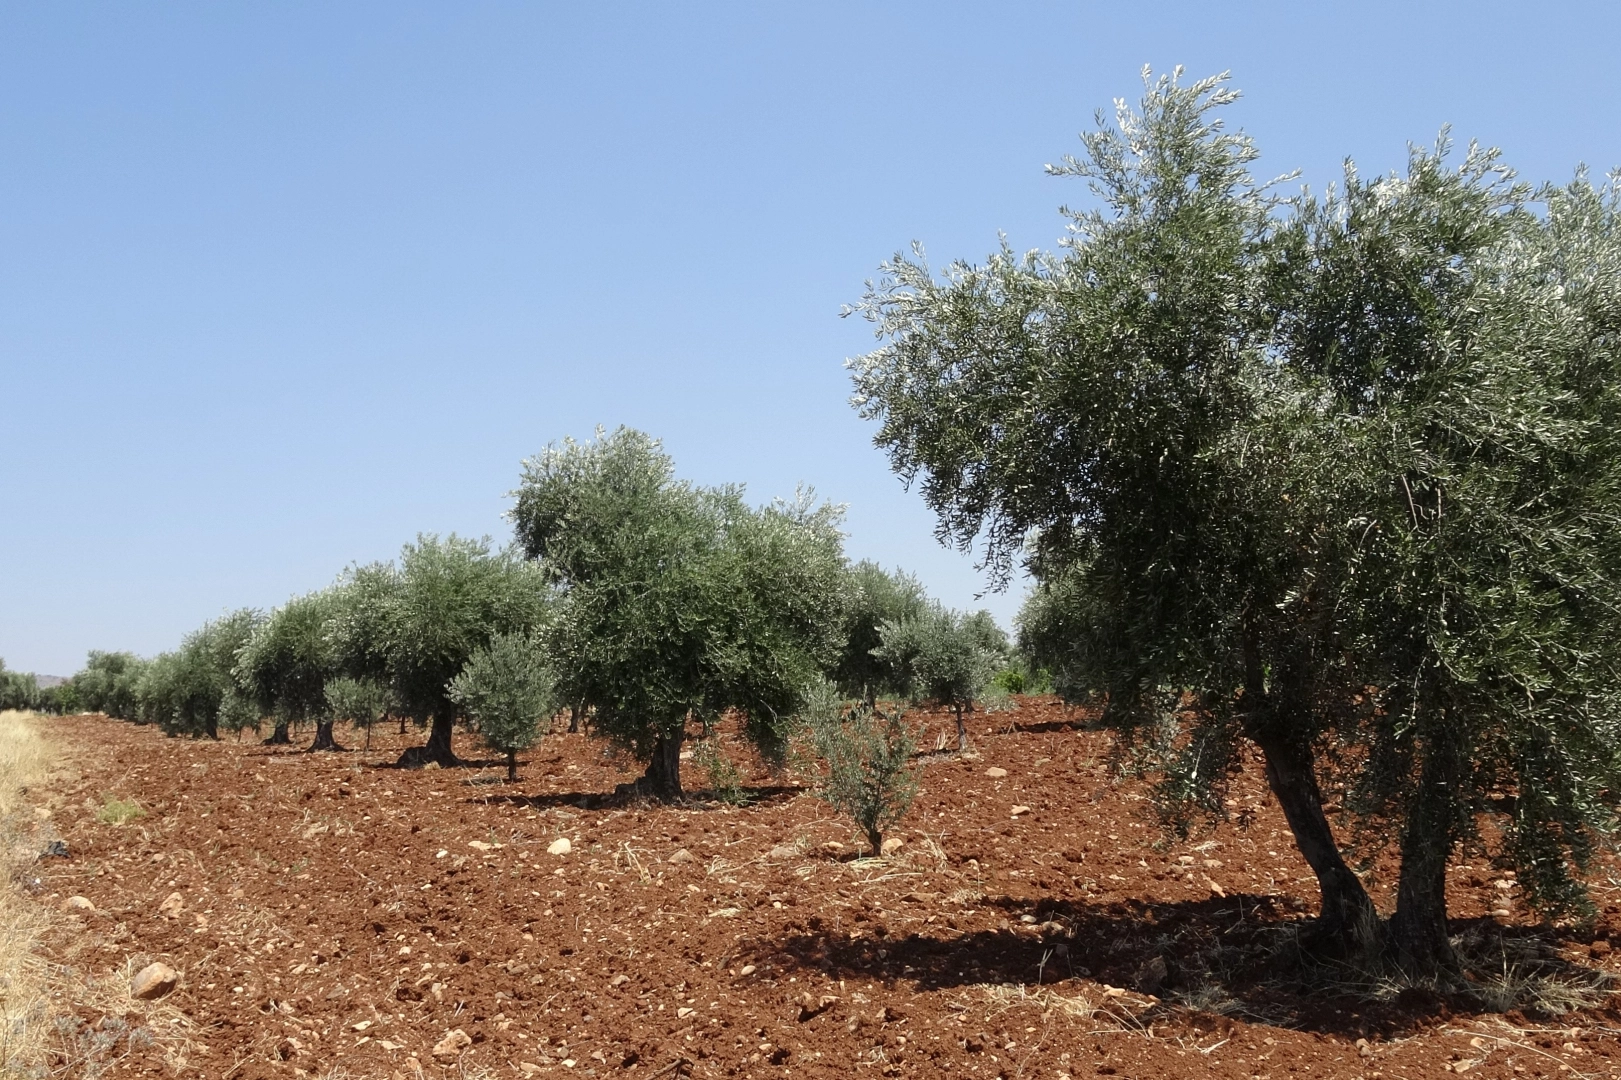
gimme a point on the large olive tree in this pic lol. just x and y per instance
(415, 624)
(679, 601)
(1263, 454)
(284, 665)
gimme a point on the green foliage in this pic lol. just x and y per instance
(876, 597)
(360, 702)
(238, 713)
(414, 625)
(183, 691)
(943, 656)
(107, 684)
(679, 601)
(866, 755)
(18, 690)
(284, 665)
(1262, 454)
(116, 811)
(507, 689)
(725, 778)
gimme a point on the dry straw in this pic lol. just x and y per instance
(24, 997)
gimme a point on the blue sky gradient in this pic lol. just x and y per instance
(283, 285)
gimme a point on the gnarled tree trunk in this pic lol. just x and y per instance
(1418, 931)
(280, 736)
(1347, 922)
(663, 776)
(323, 737)
(437, 749)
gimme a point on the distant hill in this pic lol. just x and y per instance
(45, 682)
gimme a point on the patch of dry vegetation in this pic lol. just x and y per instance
(25, 1010)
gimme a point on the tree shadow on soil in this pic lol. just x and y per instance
(606, 800)
(1236, 957)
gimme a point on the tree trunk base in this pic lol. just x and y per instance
(663, 777)
(279, 737)
(324, 740)
(436, 751)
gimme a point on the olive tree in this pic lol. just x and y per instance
(1262, 454)
(678, 602)
(184, 691)
(943, 656)
(359, 702)
(507, 689)
(1461, 331)
(867, 771)
(107, 684)
(18, 690)
(285, 664)
(876, 596)
(416, 623)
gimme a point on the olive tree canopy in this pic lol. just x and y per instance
(1262, 454)
(678, 601)
(414, 624)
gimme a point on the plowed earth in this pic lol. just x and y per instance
(334, 917)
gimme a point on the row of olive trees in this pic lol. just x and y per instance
(1310, 473)
(641, 601)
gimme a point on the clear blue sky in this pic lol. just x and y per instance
(282, 285)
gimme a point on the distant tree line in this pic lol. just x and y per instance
(647, 605)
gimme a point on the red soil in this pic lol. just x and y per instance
(339, 918)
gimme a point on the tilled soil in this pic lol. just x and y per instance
(335, 917)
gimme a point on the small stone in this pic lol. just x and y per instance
(81, 903)
(783, 851)
(681, 855)
(172, 905)
(619, 980)
(892, 845)
(995, 772)
(451, 1046)
(153, 981)
(1502, 912)
(560, 846)
(747, 969)
(479, 845)
(1017, 810)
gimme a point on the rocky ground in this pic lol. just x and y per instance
(329, 916)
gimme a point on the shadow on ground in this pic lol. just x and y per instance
(1237, 956)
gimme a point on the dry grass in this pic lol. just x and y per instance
(40, 1033)
(25, 1014)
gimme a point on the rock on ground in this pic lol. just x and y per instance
(153, 981)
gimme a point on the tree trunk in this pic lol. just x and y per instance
(437, 748)
(402, 724)
(962, 730)
(211, 728)
(663, 776)
(323, 737)
(279, 737)
(1418, 931)
(574, 712)
(512, 766)
(1347, 922)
